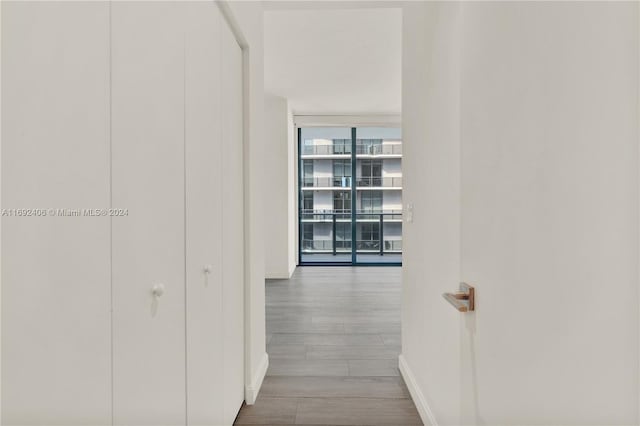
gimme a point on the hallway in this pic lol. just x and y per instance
(333, 338)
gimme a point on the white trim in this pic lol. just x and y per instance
(282, 275)
(233, 24)
(351, 120)
(252, 389)
(296, 185)
(324, 5)
(638, 206)
(416, 394)
(1, 7)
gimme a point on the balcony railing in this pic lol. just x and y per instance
(362, 148)
(326, 149)
(387, 215)
(310, 215)
(311, 246)
(345, 182)
(368, 246)
(362, 246)
(337, 245)
(331, 182)
(379, 182)
(325, 215)
(394, 246)
(383, 149)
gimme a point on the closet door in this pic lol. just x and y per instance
(233, 225)
(204, 159)
(148, 244)
(56, 367)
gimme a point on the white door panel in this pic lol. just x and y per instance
(85, 340)
(204, 158)
(148, 245)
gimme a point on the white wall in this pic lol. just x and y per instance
(542, 109)
(392, 200)
(393, 231)
(247, 20)
(550, 215)
(323, 231)
(280, 187)
(323, 200)
(56, 271)
(392, 167)
(431, 170)
(323, 169)
(1, 206)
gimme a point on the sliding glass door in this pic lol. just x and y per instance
(350, 195)
(325, 195)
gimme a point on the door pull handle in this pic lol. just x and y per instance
(464, 300)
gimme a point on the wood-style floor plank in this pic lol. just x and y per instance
(353, 352)
(333, 338)
(373, 367)
(391, 339)
(269, 411)
(305, 367)
(276, 351)
(357, 411)
(328, 339)
(334, 387)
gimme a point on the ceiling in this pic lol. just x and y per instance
(335, 61)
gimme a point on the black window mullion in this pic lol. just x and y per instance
(354, 258)
(300, 197)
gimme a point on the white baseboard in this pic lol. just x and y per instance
(292, 269)
(253, 388)
(280, 275)
(277, 275)
(416, 394)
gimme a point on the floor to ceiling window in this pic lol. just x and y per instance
(350, 195)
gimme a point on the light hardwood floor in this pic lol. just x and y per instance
(333, 338)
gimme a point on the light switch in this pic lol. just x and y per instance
(409, 213)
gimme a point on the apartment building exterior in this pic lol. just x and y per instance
(337, 209)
